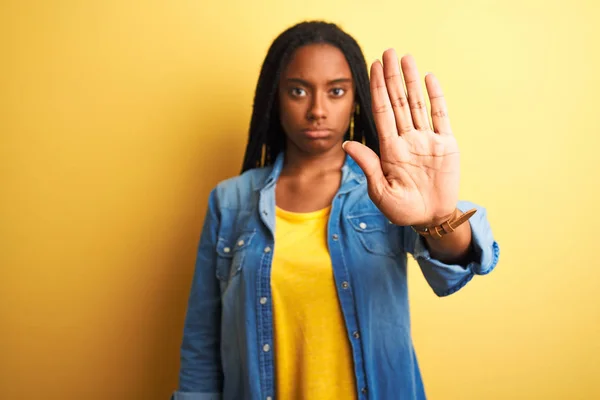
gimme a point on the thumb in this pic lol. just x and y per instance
(366, 159)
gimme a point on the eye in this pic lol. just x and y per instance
(298, 92)
(338, 92)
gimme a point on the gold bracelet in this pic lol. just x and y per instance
(446, 227)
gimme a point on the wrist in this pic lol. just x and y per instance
(448, 225)
(438, 220)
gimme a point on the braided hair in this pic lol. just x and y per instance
(266, 138)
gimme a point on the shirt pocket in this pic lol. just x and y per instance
(231, 251)
(376, 234)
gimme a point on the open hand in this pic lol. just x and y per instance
(416, 180)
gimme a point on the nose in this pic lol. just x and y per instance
(317, 109)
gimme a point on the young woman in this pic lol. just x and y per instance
(300, 286)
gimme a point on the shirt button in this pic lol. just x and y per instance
(363, 390)
(241, 243)
(345, 285)
(266, 348)
(263, 300)
(356, 335)
(267, 249)
(269, 398)
(335, 236)
(226, 249)
(362, 225)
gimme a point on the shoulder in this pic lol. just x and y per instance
(241, 189)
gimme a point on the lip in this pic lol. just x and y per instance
(317, 133)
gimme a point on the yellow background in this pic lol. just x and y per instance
(118, 117)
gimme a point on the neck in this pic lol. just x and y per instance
(298, 163)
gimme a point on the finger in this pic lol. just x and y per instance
(397, 94)
(382, 108)
(439, 110)
(368, 161)
(416, 100)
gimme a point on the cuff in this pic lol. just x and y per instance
(485, 247)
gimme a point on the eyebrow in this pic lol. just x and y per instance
(305, 83)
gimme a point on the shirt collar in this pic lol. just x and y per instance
(352, 174)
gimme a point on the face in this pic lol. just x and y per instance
(316, 97)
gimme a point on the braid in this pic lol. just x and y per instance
(266, 138)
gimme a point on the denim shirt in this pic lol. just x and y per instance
(227, 350)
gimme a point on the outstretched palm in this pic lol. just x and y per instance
(416, 180)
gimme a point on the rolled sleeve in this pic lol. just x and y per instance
(446, 279)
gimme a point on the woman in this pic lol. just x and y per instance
(300, 288)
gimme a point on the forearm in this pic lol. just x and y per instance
(453, 248)
(450, 262)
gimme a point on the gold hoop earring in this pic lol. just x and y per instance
(263, 153)
(356, 112)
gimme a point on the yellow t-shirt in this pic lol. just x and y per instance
(313, 358)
